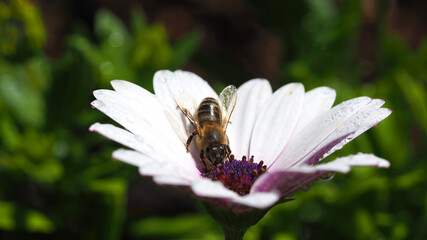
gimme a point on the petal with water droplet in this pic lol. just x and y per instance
(316, 132)
(292, 179)
(316, 102)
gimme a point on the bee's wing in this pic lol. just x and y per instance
(187, 104)
(228, 98)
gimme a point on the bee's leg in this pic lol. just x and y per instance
(228, 150)
(202, 158)
(190, 138)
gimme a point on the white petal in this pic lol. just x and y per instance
(344, 164)
(206, 188)
(185, 163)
(364, 119)
(167, 83)
(178, 125)
(363, 159)
(153, 165)
(149, 104)
(317, 131)
(139, 111)
(358, 124)
(121, 136)
(259, 200)
(168, 180)
(289, 180)
(251, 96)
(144, 118)
(137, 93)
(211, 189)
(316, 102)
(132, 157)
(140, 117)
(276, 122)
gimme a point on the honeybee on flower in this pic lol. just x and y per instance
(209, 120)
(287, 132)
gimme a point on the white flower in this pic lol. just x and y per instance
(290, 130)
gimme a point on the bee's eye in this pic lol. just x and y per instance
(208, 149)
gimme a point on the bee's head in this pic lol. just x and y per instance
(217, 154)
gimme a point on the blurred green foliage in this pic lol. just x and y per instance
(53, 175)
(57, 180)
(22, 31)
(120, 54)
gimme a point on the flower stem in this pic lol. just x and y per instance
(234, 223)
(231, 233)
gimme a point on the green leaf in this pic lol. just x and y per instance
(365, 224)
(410, 179)
(49, 171)
(114, 190)
(22, 32)
(400, 231)
(139, 22)
(34, 221)
(9, 133)
(38, 222)
(107, 23)
(24, 100)
(7, 221)
(415, 95)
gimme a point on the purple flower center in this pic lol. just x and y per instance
(237, 175)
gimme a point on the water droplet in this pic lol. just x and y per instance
(366, 114)
(328, 176)
(139, 138)
(306, 188)
(98, 104)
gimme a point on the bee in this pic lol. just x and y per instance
(209, 120)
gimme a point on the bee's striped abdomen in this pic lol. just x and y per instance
(209, 111)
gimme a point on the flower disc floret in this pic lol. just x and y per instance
(237, 175)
